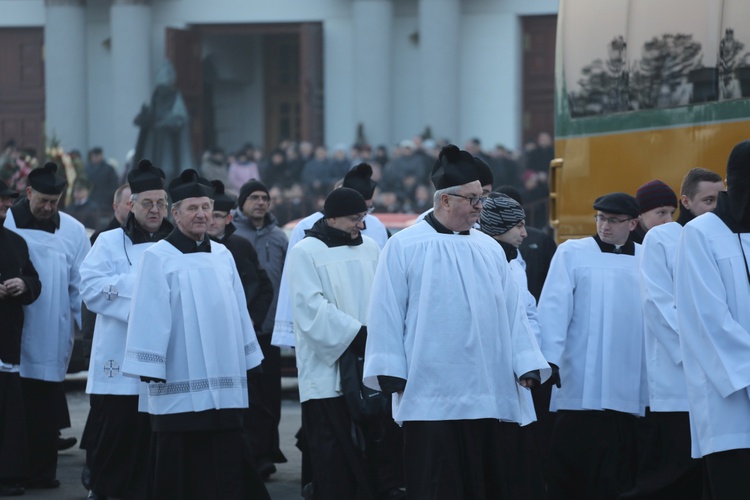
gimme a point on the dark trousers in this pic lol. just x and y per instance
(727, 474)
(481, 459)
(338, 464)
(665, 468)
(42, 407)
(592, 455)
(206, 465)
(13, 448)
(264, 412)
(120, 458)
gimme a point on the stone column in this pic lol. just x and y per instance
(439, 29)
(130, 22)
(65, 73)
(372, 68)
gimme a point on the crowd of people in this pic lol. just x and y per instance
(299, 175)
(463, 357)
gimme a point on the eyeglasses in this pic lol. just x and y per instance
(473, 200)
(610, 220)
(148, 204)
(259, 197)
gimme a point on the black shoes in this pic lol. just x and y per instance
(43, 484)
(66, 443)
(265, 469)
(11, 490)
(393, 494)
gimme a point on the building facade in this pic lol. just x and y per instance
(258, 71)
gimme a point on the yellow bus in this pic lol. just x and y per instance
(645, 89)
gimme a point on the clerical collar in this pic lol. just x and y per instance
(137, 234)
(26, 220)
(440, 228)
(188, 245)
(627, 249)
(331, 236)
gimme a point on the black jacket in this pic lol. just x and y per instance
(15, 263)
(255, 281)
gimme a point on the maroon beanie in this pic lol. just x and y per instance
(655, 194)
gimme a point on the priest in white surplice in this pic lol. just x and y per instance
(191, 339)
(120, 450)
(666, 469)
(712, 293)
(57, 245)
(448, 336)
(592, 329)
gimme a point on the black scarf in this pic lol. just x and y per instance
(685, 216)
(331, 236)
(511, 252)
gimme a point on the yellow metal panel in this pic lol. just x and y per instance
(600, 164)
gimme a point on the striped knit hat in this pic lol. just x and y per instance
(655, 194)
(499, 214)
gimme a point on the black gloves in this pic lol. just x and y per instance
(532, 378)
(389, 384)
(152, 379)
(358, 344)
(555, 377)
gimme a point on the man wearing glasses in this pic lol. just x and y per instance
(358, 178)
(118, 452)
(592, 329)
(330, 275)
(448, 336)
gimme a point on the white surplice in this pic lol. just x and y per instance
(712, 294)
(445, 316)
(107, 285)
(47, 342)
(667, 388)
(189, 325)
(592, 328)
(283, 327)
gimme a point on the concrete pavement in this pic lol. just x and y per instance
(283, 485)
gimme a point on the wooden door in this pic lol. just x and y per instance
(538, 75)
(22, 88)
(281, 67)
(311, 82)
(184, 50)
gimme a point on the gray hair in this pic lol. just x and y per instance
(440, 192)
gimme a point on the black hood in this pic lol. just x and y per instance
(738, 187)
